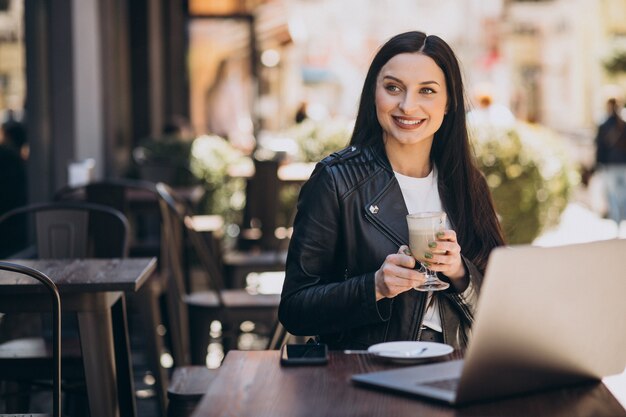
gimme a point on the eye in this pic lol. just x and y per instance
(392, 88)
(427, 91)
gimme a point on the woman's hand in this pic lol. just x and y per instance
(396, 275)
(445, 256)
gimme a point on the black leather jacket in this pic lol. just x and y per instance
(351, 215)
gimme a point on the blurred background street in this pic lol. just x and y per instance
(232, 102)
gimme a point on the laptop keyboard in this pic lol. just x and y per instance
(445, 384)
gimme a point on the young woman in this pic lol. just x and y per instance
(349, 276)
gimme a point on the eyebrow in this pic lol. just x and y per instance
(401, 82)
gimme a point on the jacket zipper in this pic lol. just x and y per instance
(462, 307)
(388, 323)
(420, 318)
(374, 221)
(443, 323)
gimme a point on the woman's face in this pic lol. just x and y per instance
(411, 99)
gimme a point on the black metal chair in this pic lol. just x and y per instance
(59, 230)
(258, 249)
(69, 230)
(199, 308)
(138, 200)
(187, 387)
(195, 310)
(55, 301)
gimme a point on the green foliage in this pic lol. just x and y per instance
(211, 157)
(314, 141)
(317, 139)
(529, 176)
(163, 153)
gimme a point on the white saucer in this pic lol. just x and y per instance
(410, 351)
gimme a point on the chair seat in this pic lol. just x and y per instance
(249, 258)
(232, 299)
(188, 385)
(238, 264)
(26, 348)
(37, 347)
(202, 299)
(243, 299)
(25, 415)
(203, 223)
(190, 382)
(27, 358)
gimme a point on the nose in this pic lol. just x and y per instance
(409, 104)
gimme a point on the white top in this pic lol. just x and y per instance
(422, 194)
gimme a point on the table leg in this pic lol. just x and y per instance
(96, 336)
(124, 368)
(106, 357)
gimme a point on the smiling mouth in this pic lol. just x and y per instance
(408, 123)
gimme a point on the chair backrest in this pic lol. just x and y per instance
(262, 199)
(72, 229)
(56, 322)
(136, 199)
(172, 265)
(176, 224)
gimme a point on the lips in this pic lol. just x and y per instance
(408, 123)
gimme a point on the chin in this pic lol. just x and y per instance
(407, 139)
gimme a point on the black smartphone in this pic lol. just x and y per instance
(304, 354)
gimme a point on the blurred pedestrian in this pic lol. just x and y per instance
(13, 135)
(611, 159)
(13, 184)
(301, 113)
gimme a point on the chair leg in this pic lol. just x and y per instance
(147, 302)
(200, 327)
(230, 335)
(177, 326)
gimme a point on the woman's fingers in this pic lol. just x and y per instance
(396, 274)
(403, 257)
(444, 254)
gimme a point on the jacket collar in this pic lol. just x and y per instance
(387, 210)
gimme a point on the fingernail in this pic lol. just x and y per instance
(432, 245)
(440, 234)
(426, 264)
(428, 255)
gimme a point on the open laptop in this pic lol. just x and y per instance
(546, 317)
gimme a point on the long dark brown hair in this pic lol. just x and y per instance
(462, 187)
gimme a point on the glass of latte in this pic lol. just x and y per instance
(423, 229)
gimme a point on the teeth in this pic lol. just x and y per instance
(409, 122)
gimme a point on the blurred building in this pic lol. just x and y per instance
(554, 50)
(97, 76)
(12, 79)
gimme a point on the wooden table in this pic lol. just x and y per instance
(254, 384)
(94, 289)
